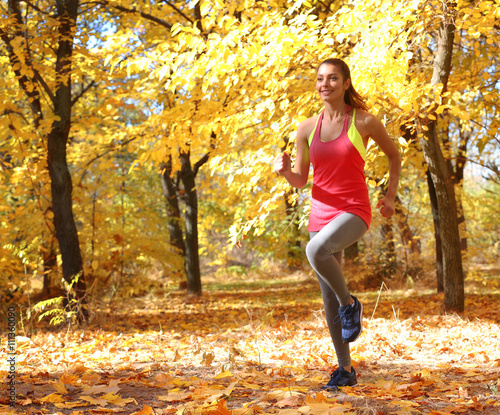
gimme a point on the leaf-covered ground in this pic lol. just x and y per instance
(263, 348)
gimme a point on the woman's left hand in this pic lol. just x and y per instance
(386, 206)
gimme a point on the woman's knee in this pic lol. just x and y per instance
(316, 251)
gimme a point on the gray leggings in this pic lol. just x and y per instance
(324, 252)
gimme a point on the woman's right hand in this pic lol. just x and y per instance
(282, 163)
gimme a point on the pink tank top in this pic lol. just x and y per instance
(339, 183)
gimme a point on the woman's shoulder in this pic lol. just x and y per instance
(309, 122)
(363, 116)
(306, 127)
(365, 121)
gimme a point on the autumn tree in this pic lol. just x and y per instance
(56, 119)
(441, 175)
(54, 122)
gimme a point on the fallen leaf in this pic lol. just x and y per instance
(94, 401)
(224, 374)
(289, 401)
(59, 387)
(68, 379)
(110, 388)
(69, 405)
(147, 410)
(53, 397)
(175, 395)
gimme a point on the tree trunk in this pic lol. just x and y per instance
(51, 278)
(437, 233)
(458, 177)
(388, 258)
(351, 252)
(61, 184)
(388, 237)
(174, 219)
(294, 261)
(190, 198)
(411, 244)
(441, 176)
(173, 210)
(462, 224)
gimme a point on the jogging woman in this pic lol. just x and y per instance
(334, 142)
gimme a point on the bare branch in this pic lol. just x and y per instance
(178, 11)
(35, 7)
(142, 14)
(82, 92)
(200, 163)
(205, 158)
(42, 82)
(109, 150)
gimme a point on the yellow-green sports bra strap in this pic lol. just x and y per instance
(355, 137)
(311, 136)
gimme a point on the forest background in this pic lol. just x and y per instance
(137, 143)
(139, 137)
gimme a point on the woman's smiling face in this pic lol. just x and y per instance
(330, 83)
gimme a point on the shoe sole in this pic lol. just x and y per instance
(360, 322)
(337, 387)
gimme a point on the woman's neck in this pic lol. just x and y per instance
(335, 111)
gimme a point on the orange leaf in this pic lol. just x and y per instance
(221, 408)
(320, 398)
(147, 410)
(68, 379)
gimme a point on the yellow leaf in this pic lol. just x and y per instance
(94, 401)
(224, 374)
(464, 115)
(117, 400)
(384, 384)
(112, 387)
(403, 142)
(69, 405)
(59, 387)
(175, 395)
(440, 109)
(53, 397)
(108, 58)
(110, 397)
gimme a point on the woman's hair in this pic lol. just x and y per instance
(351, 97)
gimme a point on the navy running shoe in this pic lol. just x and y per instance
(351, 319)
(340, 378)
